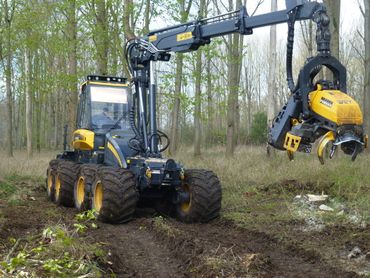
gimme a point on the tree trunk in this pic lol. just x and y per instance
(210, 117)
(101, 37)
(198, 93)
(146, 17)
(272, 91)
(174, 132)
(127, 17)
(175, 115)
(367, 66)
(9, 97)
(8, 15)
(233, 85)
(197, 105)
(71, 33)
(333, 7)
(29, 97)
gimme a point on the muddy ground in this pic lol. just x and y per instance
(154, 246)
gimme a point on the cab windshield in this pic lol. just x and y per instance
(109, 107)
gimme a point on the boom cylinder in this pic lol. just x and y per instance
(152, 109)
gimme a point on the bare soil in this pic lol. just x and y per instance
(152, 246)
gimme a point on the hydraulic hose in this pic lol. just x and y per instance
(289, 50)
(132, 122)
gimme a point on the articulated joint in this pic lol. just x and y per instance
(323, 36)
(241, 22)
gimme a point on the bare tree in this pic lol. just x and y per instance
(234, 54)
(185, 7)
(333, 7)
(29, 97)
(366, 14)
(71, 35)
(272, 90)
(8, 8)
(101, 36)
(198, 100)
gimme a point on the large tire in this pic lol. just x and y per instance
(205, 193)
(50, 178)
(66, 176)
(83, 187)
(114, 195)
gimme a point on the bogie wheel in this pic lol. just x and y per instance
(114, 195)
(50, 178)
(65, 178)
(83, 186)
(204, 193)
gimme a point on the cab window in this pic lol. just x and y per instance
(109, 107)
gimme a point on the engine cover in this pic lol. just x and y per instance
(335, 106)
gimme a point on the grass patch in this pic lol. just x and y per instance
(21, 166)
(6, 189)
(163, 226)
(250, 170)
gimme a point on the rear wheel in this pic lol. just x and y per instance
(203, 202)
(50, 178)
(114, 195)
(65, 178)
(83, 186)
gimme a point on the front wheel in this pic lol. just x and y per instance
(203, 201)
(65, 178)
(114, 195)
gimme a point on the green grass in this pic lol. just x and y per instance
(251, 171)
(6, 189)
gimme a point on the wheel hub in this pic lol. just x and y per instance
(49, 181)
(98, 196)
(80, 190)
(57, 187)
(184, 198)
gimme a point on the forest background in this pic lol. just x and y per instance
(224, 94)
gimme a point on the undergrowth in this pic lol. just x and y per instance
(58, 251)
(251, 178)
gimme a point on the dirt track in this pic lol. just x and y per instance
(156, 247)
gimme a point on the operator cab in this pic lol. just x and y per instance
(104, 104)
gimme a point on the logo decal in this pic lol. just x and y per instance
(326, 102)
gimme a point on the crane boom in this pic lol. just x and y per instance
(158, 45)
(189, 36)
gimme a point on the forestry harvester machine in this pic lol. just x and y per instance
(116, 162)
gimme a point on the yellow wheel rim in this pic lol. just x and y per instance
(80, 190)
(49, 181)
(185, 206)
(57, 187)
(98, 196)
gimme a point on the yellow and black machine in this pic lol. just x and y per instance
(116, 161)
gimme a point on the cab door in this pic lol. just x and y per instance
(83, 111)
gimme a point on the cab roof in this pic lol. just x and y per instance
(105, 81)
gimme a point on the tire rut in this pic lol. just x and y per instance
(162, 247)
(222, 249)
(135, 252)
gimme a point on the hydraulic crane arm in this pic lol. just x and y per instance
(191, 35)
(298, 124)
